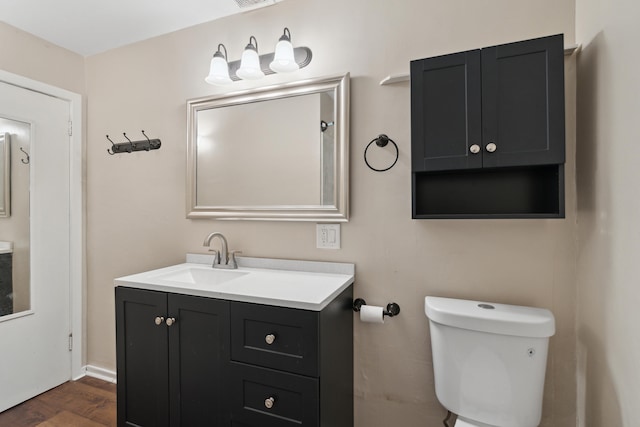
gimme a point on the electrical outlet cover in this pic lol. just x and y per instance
(328, 236)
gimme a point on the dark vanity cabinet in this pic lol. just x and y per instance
(6, 284)
(228, 363)
(487, 132)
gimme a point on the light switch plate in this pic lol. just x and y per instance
(328, 236)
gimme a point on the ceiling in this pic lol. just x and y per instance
(88, 27)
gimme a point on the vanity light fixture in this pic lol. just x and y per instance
(219, 68)
(283, 59)
(252, 66)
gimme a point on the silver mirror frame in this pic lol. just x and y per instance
(338, 212)
(5, 152)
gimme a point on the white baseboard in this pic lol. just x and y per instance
(100, 373)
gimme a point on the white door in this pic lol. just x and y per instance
(34, 343)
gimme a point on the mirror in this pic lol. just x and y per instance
(274, 153)
(15, 254)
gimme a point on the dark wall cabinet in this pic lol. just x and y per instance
(194, 361)
(487, 132)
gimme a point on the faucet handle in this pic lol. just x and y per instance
(232, 259)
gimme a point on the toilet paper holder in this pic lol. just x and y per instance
(393, 309)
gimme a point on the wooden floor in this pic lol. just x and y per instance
(88, 402)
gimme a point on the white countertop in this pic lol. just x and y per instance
(306, 285)
(6, 247)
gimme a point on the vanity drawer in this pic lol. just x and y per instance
(275, 337)
(262, 397)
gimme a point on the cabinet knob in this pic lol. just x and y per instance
(171, 321)
(491, 147)
(268, 403)
(269, 339)
(159, 320)
(475, 149)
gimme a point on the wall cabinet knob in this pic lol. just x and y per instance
(475, 149)
(268, 403)
(171, 321)
(159, 320)
(491, 147)
(269, 339)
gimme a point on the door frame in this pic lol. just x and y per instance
(77, 271)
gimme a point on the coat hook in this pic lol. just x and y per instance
(112, 146)
(28, 159)
(130, 143)
(324, 125)
(146, 147)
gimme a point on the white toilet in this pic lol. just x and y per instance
(489, 360)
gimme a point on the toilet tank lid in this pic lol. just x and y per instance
(490, 317)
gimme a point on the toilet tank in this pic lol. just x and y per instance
(489, 360)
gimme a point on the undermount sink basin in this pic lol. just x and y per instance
(204, 276)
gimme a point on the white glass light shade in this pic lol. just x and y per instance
(250, 65)
(284, 60)
(218, 71)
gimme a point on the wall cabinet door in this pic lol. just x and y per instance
(446, 112)
(495, 107)
(171, 352)
(523, 103)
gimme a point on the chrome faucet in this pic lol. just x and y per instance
(222, 259)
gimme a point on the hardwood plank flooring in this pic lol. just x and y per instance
(88, 402)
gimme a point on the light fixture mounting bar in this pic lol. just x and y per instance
(302, 55)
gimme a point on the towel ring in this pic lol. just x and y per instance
(381, 141)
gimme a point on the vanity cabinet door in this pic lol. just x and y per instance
(142, 358)
(198, 351)
(171, 352)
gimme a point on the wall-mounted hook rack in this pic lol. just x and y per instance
(131, 146)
